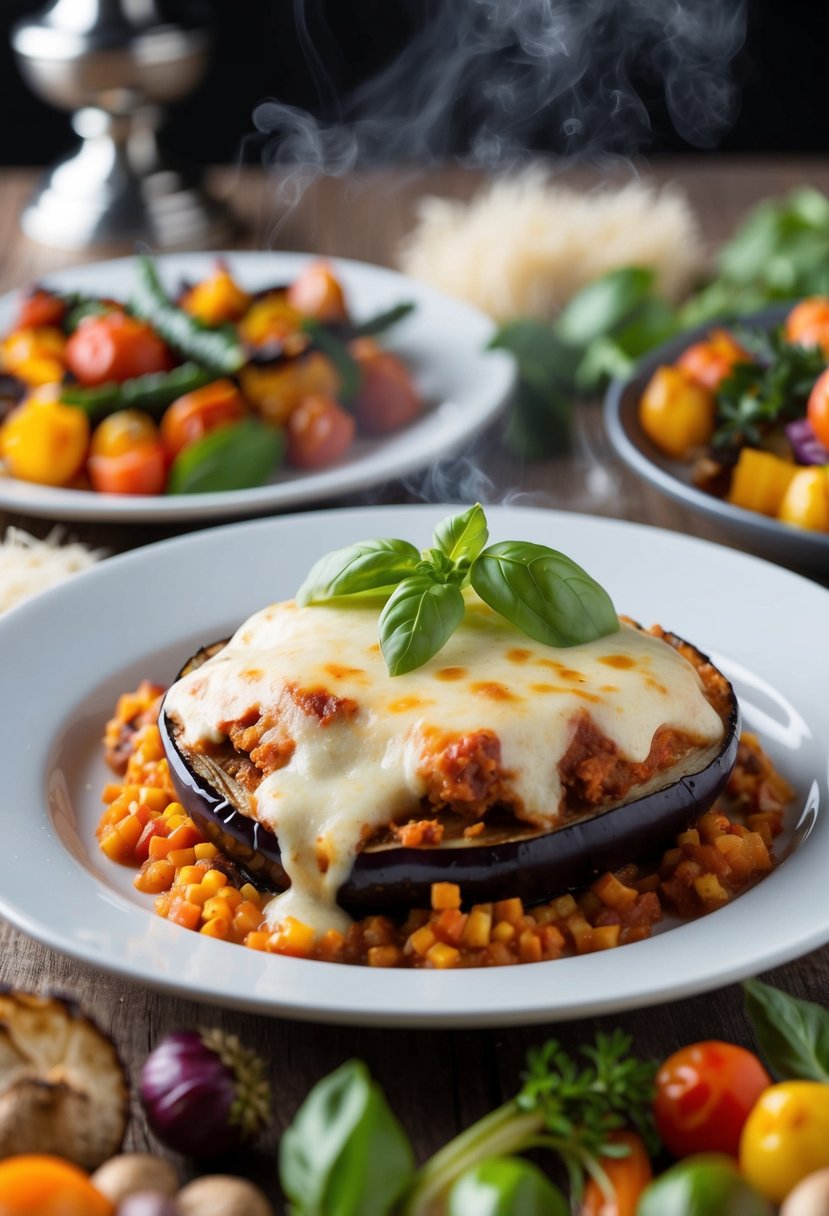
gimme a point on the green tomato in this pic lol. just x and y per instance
(505, 1186)
(702, 1186)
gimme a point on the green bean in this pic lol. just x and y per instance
(217, 349)
(151, 393)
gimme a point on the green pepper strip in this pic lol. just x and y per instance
(217, 349)
(151, 393)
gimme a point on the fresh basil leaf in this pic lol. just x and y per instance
(370, 567)
(793, 1035)
(345, 1154)
(505, 1186)
(602, 305)
(543, 593)
(234, 457)
(543, 359)
(339, 354)
(382, 321)
(462, 537)
(540, 423)
(417, 621)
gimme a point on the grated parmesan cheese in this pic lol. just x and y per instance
(524, 245)
(29, 565)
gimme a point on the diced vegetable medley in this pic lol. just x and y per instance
(750, 412)
(209, 391)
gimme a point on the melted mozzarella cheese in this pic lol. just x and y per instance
(358, 772)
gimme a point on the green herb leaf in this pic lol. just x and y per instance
(382, 321)
(543, 359)
(505, 1186)
(543, 593)
(540, 423)
(417, 621)
(462, 537)
(233, 457)
(345, 1154)
(339, 354)
(602, 305)
(372, 567)
(793, 1035)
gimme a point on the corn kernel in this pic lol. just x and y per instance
(181, 857)
(206, 851)
(217, 927)
(422, 940)
(249, 892)
(442, 956)
(188, 875)
(215, 908)
(503, 932)
(383, 956)
(445, 895)
(214, 880)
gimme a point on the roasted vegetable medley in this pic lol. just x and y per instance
(750, 410)
(207, 392)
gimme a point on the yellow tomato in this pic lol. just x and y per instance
(786, 1137)
(675, 413)
(217, 300)
(806, 501)
(36, 356)
(45, 441)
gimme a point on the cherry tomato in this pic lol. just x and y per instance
(139, 470)
(116, 347)
(704, 1093)
(675, 413)
(319, 431)
(195, 414)
(808, 323)
(387, 398)
(45, 441)
(817, 409)
(709, 363)
(121, 432)
(786, 1137)
(317, 293)
(40, 308)
(628, 1176)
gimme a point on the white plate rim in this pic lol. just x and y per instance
(715, 950)
(448, 424)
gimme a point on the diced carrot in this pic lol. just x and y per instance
(183, 913)
(155, 877)
(445, 895)
(155, 827)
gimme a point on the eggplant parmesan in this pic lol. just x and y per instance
(504, 764)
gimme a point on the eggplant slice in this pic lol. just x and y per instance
(507, 860)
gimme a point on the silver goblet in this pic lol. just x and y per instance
(115, 63)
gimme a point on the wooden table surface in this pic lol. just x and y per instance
(437, 1081)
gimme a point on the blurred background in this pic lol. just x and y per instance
(750, 77)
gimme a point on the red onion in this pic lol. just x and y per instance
(204, 1093)
(806, 446)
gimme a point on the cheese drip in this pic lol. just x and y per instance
(353, 774)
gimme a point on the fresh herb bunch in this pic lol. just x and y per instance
(564, 1105)
(538, 590)
(772, 388)
(345, 1151)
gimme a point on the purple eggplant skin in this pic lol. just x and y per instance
(535, 868)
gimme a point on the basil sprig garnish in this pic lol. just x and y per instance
(538, 590)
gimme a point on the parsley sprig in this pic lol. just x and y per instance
(771, 388)
(571, 1106)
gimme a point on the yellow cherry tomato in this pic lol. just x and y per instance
(806, 501)
(45, 441)
(675, 413)
(786, 1137)
(122, 432)
(35, 356)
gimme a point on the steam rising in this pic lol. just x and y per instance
(487, 81)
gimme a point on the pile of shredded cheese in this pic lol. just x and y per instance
(524, 245)
(29, 565)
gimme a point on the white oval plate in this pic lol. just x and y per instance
(69, 652)
(443, 342)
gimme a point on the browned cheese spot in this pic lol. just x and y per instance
(493, 690)
(620, 661)
(450, 673)
(402, 704)
(518, 655)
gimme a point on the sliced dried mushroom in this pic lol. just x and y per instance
(62, 1086)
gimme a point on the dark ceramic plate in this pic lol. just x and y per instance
(781, 542)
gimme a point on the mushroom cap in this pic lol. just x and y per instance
(222, 1195)
(63, 1088)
